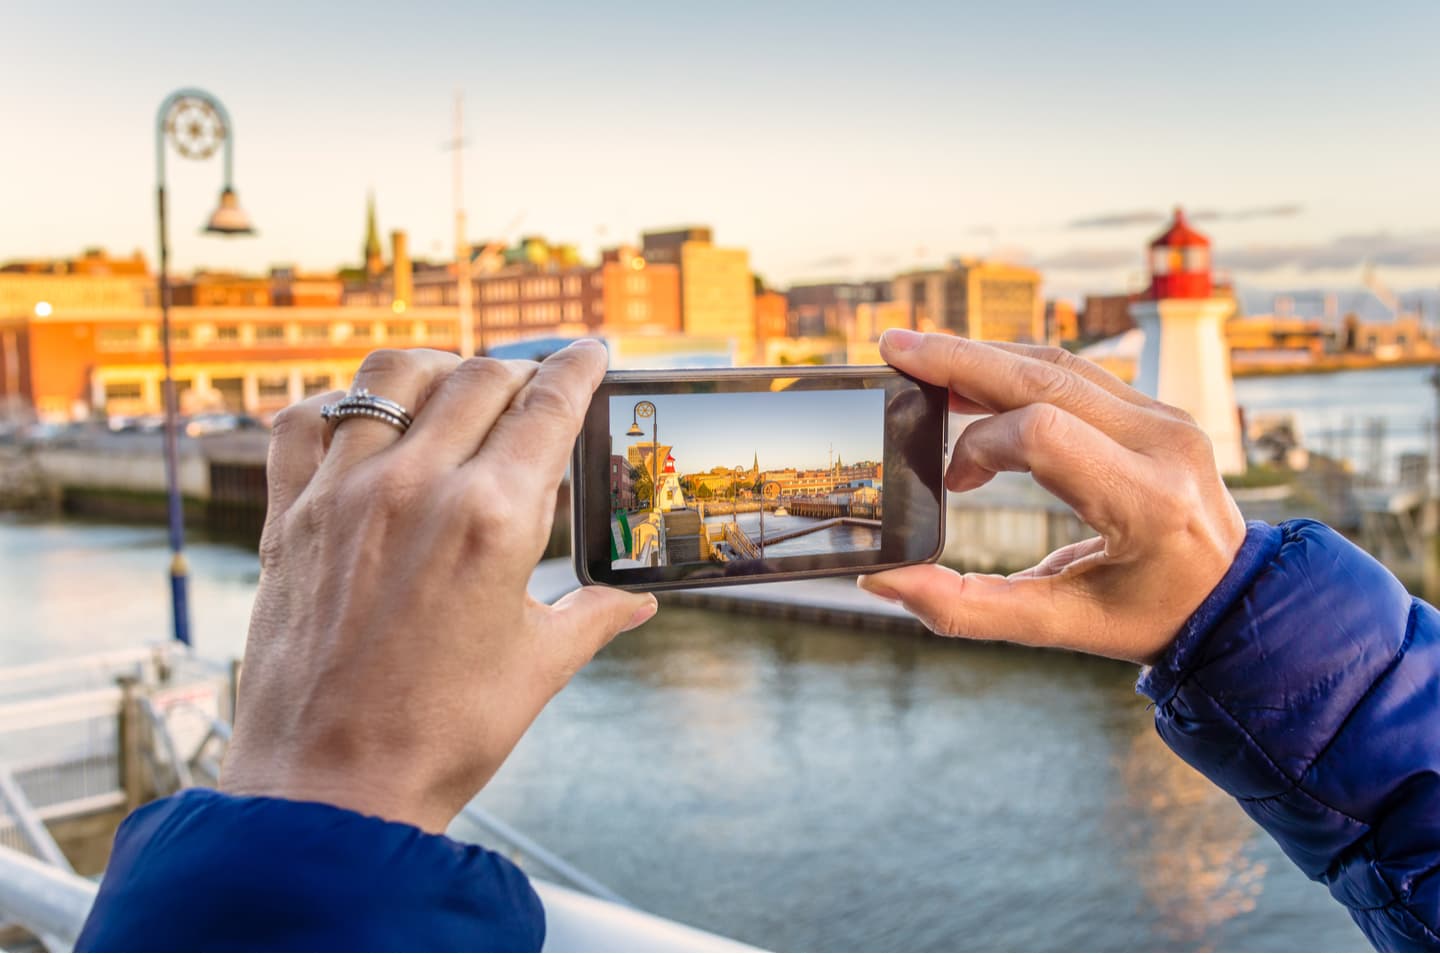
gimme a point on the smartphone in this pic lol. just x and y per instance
(710, 477)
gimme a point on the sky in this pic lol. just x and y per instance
(785, 429)
(834, 140)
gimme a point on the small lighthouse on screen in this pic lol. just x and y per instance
(1185, 360)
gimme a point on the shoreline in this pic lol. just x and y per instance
(1330, 364)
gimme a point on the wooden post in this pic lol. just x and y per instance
(235, 666)
(132, 739)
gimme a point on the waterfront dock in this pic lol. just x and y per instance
(834, 600)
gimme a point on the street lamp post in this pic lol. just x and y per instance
(197, 125)
(646, 409)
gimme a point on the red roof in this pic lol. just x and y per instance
(1179, 233)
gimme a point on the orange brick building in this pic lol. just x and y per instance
(75, 364)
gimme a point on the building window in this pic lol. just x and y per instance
(437, 331)
(397, 330)
(123, 391)
(317, 384)
(271, 387)
(180, 336)
(637, 310)
(119, 338)
(574, 311)
(269, 333)
(597, 307)
(572, 286)
(227, 333)
(360, 332)
(315, 332)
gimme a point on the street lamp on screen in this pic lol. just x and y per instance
(646, 409)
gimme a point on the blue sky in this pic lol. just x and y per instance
(832, 139)
(786, 429)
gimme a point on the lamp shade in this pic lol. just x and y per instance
(229, 218)
(634, 431)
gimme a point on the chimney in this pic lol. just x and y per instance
(401, 285)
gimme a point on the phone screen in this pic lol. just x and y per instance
(765, 474)
(734, 475)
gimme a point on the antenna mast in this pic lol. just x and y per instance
(463, 288)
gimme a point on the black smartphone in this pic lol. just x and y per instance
(708, 477)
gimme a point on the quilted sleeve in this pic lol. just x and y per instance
(1307, 686)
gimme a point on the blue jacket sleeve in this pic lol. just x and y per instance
(1307, 686)
(206, 871)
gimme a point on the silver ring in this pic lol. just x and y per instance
(364, 404)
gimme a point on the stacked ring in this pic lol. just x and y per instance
(364, 404)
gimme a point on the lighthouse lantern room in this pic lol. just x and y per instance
(1185, 360)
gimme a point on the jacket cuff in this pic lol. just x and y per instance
(203, 870)
(1160, 681)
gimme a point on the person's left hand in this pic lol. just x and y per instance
(394, 656)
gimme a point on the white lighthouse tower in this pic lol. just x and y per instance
(1185, 361)
(671, 497)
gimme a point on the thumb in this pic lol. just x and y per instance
(1036, 611)
(585, 620)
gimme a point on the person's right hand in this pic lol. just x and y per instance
(1139, 472)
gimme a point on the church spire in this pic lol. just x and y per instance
(374, 263)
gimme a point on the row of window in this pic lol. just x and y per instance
(132, 337)
(268, 387)
(545, 286)
(539, 313)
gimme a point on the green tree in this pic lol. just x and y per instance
(704, 492)
(643, 487)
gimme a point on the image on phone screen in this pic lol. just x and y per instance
(746, 475)
(700, 477)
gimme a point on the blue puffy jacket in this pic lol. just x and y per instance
(1307, 685)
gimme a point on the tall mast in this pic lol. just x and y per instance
(463, 287)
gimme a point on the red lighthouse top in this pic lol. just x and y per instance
(1180, 262)
(669, 464)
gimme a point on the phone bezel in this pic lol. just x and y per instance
(915, 441)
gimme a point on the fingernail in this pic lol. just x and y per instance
(901, 339)
(586, 343)
(878, 589)
(641, 615)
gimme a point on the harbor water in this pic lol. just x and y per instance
(1335, 412)
(842, 538)
(804, 787)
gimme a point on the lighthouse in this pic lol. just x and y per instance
(671, 497)
(1185, 361)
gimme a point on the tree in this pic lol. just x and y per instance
(643, 486)
(704, 492)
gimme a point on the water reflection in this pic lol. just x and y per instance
(1194, 853)
(804, 787)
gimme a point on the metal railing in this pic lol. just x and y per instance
(521, 847)
(740, 542)
(41, 892)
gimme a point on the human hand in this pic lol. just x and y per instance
(1139, 472)
(394, 656)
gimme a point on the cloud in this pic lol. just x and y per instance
(1116, 220)
(832, 261)
(1134, 217)
(1285, 210)
(1416, 250)
(1092, 259)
